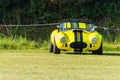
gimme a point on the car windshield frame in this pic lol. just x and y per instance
(75, 25)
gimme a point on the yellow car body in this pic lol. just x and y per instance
(75, 36)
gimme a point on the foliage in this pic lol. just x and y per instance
(21, 43)
(43, 11)
(107, 46)
(102, 12)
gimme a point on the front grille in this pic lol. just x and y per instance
(78, 45)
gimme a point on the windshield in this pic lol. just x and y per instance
(75, 25)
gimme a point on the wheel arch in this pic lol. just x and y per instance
(52, 36)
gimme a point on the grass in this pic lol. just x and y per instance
(110, 46)
(21, 43)
(42, 65)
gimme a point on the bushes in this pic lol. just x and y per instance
(30, 33)
(107, 46)
(47, 11)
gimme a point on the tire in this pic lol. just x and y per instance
(99, 51)
(51, 47)
(56, 50)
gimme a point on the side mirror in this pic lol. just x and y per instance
(58, 26)
(95, 27)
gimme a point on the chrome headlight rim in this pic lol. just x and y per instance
(94, 40)
(62, 39)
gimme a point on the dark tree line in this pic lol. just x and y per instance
(46, 11)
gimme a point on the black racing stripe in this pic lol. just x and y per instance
(75, 36)
(81, 36)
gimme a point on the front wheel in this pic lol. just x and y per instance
(56, 50)
(99, 51)
(51, 47)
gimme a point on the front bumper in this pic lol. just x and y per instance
(78, 46)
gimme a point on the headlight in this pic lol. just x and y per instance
(94, 40)
(63, 39)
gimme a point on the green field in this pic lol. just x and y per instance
(42, 65)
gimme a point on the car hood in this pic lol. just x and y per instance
(79, 35)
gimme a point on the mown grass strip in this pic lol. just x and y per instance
(41, 65)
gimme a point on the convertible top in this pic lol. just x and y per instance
(77, 20)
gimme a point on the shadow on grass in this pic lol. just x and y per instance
(111, 54)
(104, 54)
(80, 53)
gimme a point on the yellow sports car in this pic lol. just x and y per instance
(75, 35)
